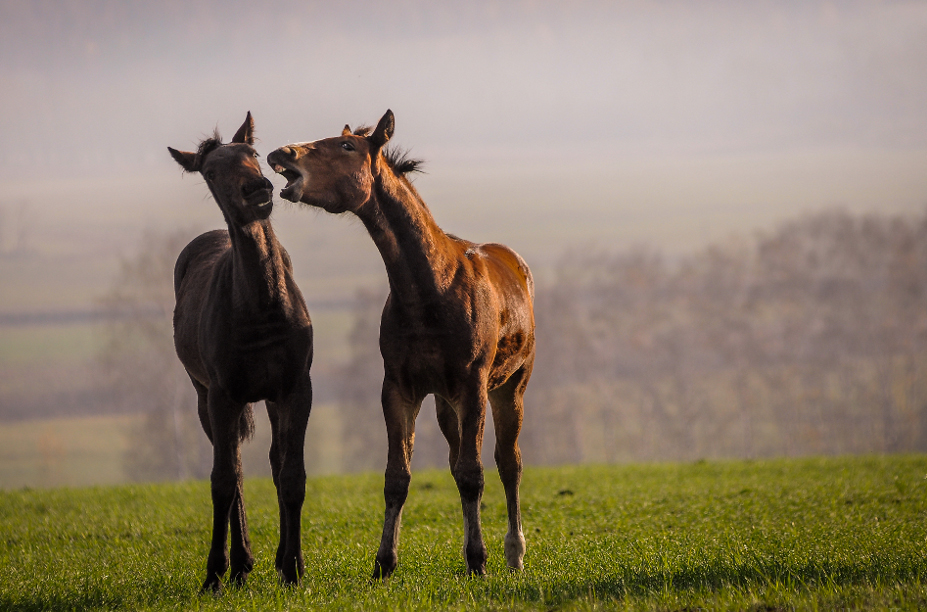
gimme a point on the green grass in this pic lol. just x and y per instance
(814, 534)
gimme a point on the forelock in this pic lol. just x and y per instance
(208, 146)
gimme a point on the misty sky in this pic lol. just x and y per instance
(657, 121)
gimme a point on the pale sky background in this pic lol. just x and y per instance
(543, 124)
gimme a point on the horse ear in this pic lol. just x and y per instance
(187, 160)
(384, 129)
(346, 131)
(245, 133)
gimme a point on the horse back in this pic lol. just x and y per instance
(509, 269)
(199, 257)
(192, 278)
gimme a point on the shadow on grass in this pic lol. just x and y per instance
(558, 590)
(95, 598)
(630, 583)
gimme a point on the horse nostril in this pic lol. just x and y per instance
(288, 151)
(252, 187)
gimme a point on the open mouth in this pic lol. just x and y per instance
(294, 183)
(295, 179)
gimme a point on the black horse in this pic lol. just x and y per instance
(242, 331)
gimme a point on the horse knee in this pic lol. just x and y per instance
(396, 487)
(223, 487)
(469, 482)
(293, 483)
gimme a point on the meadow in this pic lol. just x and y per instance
(785, 534)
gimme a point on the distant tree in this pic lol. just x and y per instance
(141, 368)
(811, 338)
(364, 443)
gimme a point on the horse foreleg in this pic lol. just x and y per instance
(225, 480)
(400, 417)
(507, 412)
(468, 473)
(290, 440)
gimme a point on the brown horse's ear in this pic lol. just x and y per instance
(245, 133)
(188, 161)
(346, 131)
(384, 130)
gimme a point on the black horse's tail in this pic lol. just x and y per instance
(246, 425)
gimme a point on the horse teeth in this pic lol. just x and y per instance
(279, 169)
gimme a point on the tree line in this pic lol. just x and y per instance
(807, 339)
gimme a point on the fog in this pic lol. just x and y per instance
(551, 127)
(636, 121)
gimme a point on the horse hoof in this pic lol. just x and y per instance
(479, 572)
(288, 580)
(380, 573)
(212, 586)
(515, 551)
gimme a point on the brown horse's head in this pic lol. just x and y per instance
(233, 174)
(335, 174)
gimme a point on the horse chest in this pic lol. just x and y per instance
(256, 364)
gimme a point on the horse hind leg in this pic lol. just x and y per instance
(450, 428)
(242, 561)
(468, 474)
(276, 462)
(202, 406)
(507, 411)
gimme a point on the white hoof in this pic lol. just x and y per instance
(515, 550)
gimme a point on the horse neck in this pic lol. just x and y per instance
(415, 250)
(258, 267)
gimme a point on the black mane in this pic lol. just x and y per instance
(399, 160)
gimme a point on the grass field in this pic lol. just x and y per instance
(814, 534)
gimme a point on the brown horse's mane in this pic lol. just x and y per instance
(397, 159)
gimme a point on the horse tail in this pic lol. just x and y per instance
(246, 424)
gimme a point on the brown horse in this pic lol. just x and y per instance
(242, 331)
(458, 323)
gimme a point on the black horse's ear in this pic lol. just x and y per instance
(384, 130)
(346, 131)
(188, 161)
(245, 133)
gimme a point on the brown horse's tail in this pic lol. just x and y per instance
(246, 425)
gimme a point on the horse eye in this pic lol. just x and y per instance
(210, 175)
(347, 145)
